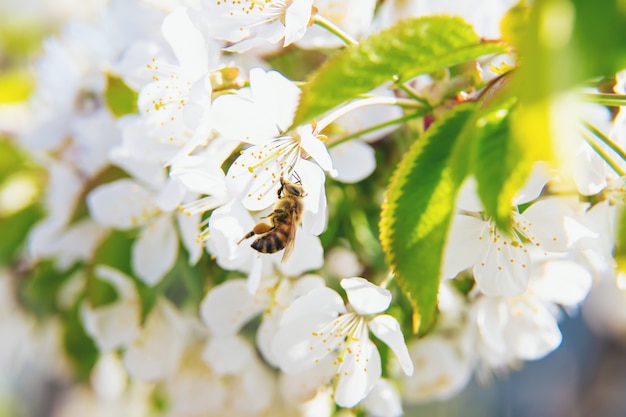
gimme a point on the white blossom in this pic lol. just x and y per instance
(500, 260)
(126, 204)
(511, 329)
(268, 108)
(353, 17)
(116, 324)
(229, 306)
(442, 370)
(317, 327)
(248, 23)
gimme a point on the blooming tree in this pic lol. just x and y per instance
(446, 184)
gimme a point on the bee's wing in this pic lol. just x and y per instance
(290, 239)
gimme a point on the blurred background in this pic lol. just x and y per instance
(586, 376)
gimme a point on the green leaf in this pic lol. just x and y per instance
(40, 288)
(500, 162)
(419, 205)
(184, 283)
(295, 63)
(569, 42)
(412, 47)
(100, 292)
(115, 251)
(81, 349)
(107, 175)
(566, 43)
(120, 98)
(15, 229)
(12, 158)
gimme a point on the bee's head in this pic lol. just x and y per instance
(290, 188)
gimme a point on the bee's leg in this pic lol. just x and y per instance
(282, 186)
(259, 229)
(273, 214)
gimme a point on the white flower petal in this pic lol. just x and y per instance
(563, 282)
(255, 174)
(228, 112)
(368, 116)
(227, 307)
(187, 42)
(343, 262)
(202, 173)
(306, 284)
(387, 329)
(354, 161)
(440, 370)
(155, 353)
(533, 187)
(146, 170)
(227, 225)
(228, 355)
(245, 45)
(131, 65)
(283, 296)
(111, 326)
(358, 374)
(465, 244)
(598, 219)
(140, 145)
(546, 222)
(257, 385)
(187, 389)
(121, 204)
(265, 335)
(170, 195)
(199, 175)
(467, 198)
(604, 309)
(226, 20)
(504, 269)
(162, 113)
(297, 18)
(255, 274)
(275, 95)
(188, 227)
(93, 135)
(314, 218)
(301, 345)
(124, 286)
(306, 334)
(155, 250)
(365, 297)
(383, 400)
(492, 318)
(322, 301)
(589, 171)
(77, 243)
(307, 255)
(533, 331)
(305, 385)
(316, 148)
(108, 378)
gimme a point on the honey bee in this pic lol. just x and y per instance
(284, 219)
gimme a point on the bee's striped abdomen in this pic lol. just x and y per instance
(272, 241)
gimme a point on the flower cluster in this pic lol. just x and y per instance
(211, 248)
